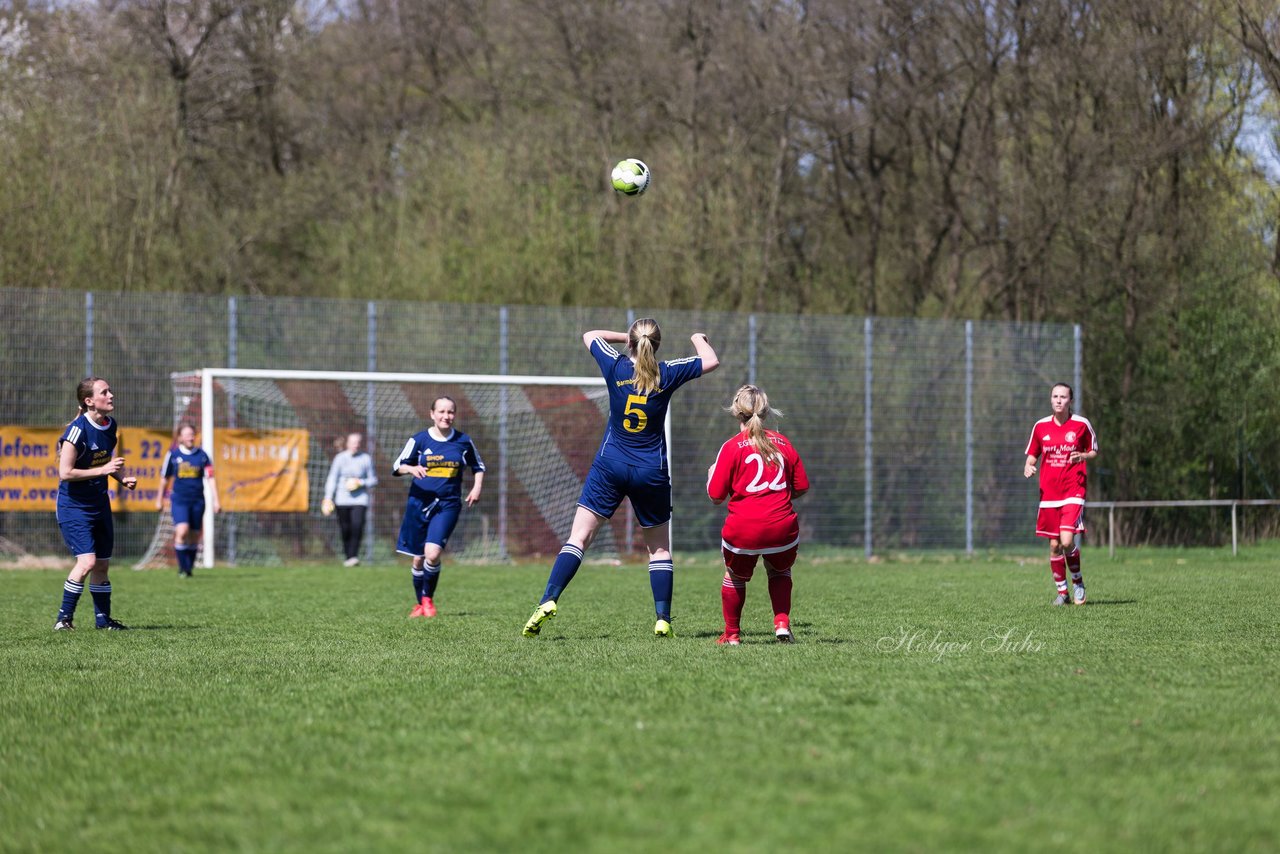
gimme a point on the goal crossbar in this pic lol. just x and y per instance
(207, 375)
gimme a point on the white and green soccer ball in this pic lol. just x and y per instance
(630, 177)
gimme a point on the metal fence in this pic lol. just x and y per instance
(912, 430)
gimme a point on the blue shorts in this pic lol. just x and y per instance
(430, 522)
(188, 512)
(610, 481)
(87, 531)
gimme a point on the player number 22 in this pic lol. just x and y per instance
(634, 402)
(758, 483)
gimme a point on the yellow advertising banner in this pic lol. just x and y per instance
(29, 467)
(262, 470)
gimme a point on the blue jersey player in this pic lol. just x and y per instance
(183, 474)
(632, 460)
(436, 458)
(85, 459)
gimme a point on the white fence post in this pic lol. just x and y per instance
(868, 423)
(968, 437)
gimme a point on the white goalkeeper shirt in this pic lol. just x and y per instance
(346, 466)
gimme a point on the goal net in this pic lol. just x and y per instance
(273, 434)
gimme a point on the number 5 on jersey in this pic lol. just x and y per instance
(634, 402)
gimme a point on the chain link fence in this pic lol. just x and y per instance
(912, 430)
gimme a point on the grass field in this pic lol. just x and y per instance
(929, 704)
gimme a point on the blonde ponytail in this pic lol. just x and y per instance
(751, 407)
(643, 339)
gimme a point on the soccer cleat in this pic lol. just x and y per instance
(416, 612)
(351, 561)
(113, 626)
(1080, 597)
(428, 607)
(64, 625)
(1061, 599)
(662, 629)
(541, 614)
(730, 639)
(782, 628)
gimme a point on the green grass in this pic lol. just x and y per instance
(297, 709)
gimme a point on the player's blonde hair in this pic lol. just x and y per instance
(643, 339)
(751, 407)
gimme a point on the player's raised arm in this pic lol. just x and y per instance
(607, 335)
(707, 353)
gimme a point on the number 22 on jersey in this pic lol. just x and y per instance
(758, 483)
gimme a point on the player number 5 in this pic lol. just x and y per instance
(634, 402)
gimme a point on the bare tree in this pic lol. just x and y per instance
(1258, 30)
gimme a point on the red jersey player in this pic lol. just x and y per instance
(759, 472)
(1062, 443)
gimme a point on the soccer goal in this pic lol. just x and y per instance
(273, 434)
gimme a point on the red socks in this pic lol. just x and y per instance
(1059, 566)
(733, 595)
(780, 594)
(1073, 564)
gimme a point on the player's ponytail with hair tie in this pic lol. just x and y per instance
(644, 339)
(751, 406)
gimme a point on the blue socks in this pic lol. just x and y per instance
(430, 578)
(70, 598)
(662, 582)
(661, 579)
(101, 594)
(186, 558)
(425, 580)
(562, 571)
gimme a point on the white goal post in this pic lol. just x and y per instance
(525, 437)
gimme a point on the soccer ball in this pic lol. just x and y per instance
(631, 177)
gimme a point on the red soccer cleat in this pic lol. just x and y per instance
(782, 628)
(428, 607)
(416, 612)
(730, 639)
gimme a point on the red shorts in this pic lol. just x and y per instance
(1052, 521)
(743, 566)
